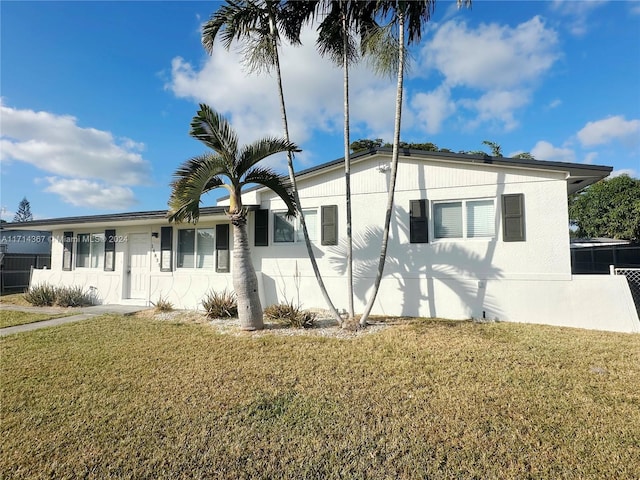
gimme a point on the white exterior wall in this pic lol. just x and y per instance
(526, 281)
(183, 287)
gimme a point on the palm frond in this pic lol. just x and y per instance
(222, 19)
(212, 129)
(380, 47)
(331, 34)
(251, 154)
(415, 12)
(232, 21)
(279, 185)
(259, 53)
(191, 180)
(293, 15)
(247, 21)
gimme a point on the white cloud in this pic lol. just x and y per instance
(577, 12)
(503, 63)
(56, 144)
(624, 171)
(491, 56)
(91, 168)
(609, 129)
(91, 194)
(6, 214)
(497, 106)
(312, 87)
(433, 108)
(590, 157)
(554, 104)
(544, 150)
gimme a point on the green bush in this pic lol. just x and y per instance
(43, 295)
(73, 296)
(220, 304)
(291, 315)
(162, 304)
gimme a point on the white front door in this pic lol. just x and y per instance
(138, 265)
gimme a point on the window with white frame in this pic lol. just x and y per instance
(290, 229)
(464, 219)
(90, 250)
(196, 248)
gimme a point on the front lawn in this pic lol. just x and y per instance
(10, 318)
(14, 299)
(127, 397)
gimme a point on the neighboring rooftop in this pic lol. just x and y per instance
(151, 216)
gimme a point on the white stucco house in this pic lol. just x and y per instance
(471, 236)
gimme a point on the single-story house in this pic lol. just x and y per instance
(472, 236)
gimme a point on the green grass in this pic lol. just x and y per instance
(126, 397)
(10, 318)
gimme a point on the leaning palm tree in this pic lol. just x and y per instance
(409, 16)
(256, 24)
(238, 165)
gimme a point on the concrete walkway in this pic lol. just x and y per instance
(82, 313)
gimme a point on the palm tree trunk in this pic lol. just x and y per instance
(347, 165)
(394, 172)
(292, 178)
(245, 281)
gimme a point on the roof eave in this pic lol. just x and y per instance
(153, 217)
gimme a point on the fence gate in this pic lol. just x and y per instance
(15, 270)
(633, 277)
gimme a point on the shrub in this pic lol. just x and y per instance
(291, 315)
(73, 296)
(162, 304)
(43, 295)
(220, 304)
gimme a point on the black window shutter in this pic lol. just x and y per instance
(166, 249)
(513, 228)
(418, 222)
(109, 250)
(222, 248)
(329, 222)
(67, 251)
(261, 229)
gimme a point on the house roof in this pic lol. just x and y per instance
(579, 176)
(111, 219)
(596, 242)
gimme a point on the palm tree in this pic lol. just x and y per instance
(256, 23)
(238, 166)
(336, 40)
(409, 16)
(496, 148)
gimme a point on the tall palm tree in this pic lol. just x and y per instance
(408, 17)
(256, 23)
(238, 165)
(336, 40)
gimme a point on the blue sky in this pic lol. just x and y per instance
(96, 97)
